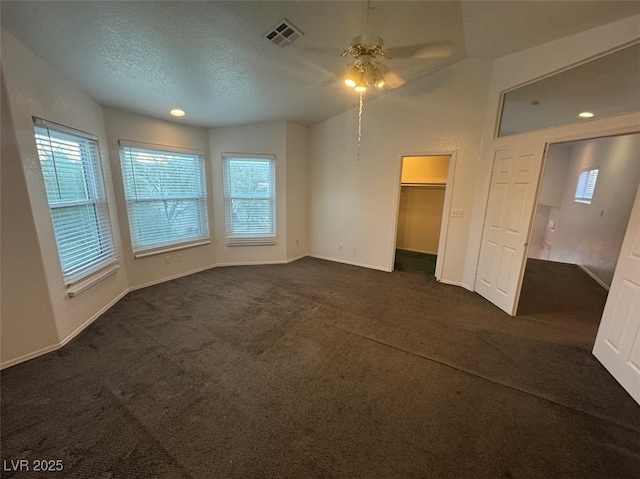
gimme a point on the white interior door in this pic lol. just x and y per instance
(617, 344)
(512, 195)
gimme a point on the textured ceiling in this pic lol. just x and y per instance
(210, 59)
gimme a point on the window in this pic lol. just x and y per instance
(70, 162)
(166, 197)
(586, 185)
(250, 199)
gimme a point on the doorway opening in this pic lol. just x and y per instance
(575, 240)
(421, 223)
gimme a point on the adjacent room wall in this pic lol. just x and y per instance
(425, 169)
(356, 204)
(552, 188)
(591, 234)
(35, 89)
(129, 126)
(420, 218)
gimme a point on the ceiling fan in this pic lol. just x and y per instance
(367, 50)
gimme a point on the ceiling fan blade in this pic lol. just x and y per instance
(427, 51)
(332, 80)
(327, 50)
(391, 79)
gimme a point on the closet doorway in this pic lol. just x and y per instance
(420, 213)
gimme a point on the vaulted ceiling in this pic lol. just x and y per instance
(210, 57)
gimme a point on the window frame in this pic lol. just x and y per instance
(585, 186)
(250, 239)
(145, 249)
(88, 152)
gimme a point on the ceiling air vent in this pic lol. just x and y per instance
(283, 34)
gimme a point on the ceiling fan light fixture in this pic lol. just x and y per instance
(364, 74)
(373, 75)
(353, 76)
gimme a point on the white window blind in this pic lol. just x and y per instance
(166, 196)
(250, 199)
(586, 186)
(70, 163)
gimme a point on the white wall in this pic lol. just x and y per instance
(527, 65)
(297, 186)
(129, 126)
(591, 234)
(35, 89)
(27, 325)
(265, 138)
(357, 204)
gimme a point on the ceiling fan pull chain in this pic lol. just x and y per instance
(359, 127)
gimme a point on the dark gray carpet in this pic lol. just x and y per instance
(318, 369)
(414, 262)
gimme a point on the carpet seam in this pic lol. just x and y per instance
(299, 321)
(597, 416)
(140, 424)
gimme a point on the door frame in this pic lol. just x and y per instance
(446, 208)
(603, 127)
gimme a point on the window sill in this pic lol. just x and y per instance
(81, 286)
(251, 242)
(169, 249)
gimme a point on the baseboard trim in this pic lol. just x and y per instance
(291, 260)
(27, 357)
(88, 322)
(352, 263)
(68, 339)
(593, 276)
(251, 263)
(170, 278)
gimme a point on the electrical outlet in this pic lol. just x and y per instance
(355, 249)
(167, 259)
(340, 246)
(457, 213)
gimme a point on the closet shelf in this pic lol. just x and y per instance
(424, 185)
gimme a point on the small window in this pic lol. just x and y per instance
(250, 199)
(166, 197)
(586, 185)
(70, 162)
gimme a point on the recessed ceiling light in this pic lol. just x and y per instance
(586, 114)
(177, 112)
